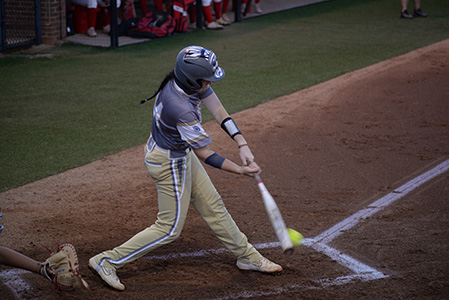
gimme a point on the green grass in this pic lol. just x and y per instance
(70, 105)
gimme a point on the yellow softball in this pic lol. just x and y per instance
(295, 237)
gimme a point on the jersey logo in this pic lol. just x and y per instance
(157, 111)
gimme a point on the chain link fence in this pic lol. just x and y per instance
(19, 23)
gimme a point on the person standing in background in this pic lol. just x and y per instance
(417, 12)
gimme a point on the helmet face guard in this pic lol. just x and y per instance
(194, 64)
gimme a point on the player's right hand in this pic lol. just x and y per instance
(251, 169)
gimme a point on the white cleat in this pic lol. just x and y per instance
(261, 265)
(225, 18)
(91, 32)
(107, 274)
(223, 22)
(214, 26)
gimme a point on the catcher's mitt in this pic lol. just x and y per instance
(62, 268)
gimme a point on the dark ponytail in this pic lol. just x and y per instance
(164, 82)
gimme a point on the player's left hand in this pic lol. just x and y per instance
(246, 156)
(62, 268)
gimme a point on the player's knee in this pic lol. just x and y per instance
(175, 234)
(171, 234)
(166, 230)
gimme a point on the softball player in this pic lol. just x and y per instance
(92, 11)
(172, 157)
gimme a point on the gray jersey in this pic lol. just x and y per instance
(177, 119)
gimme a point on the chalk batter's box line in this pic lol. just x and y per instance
(362, 272)
(381, 203)
(330, 234)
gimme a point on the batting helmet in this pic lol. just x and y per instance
(194, 64)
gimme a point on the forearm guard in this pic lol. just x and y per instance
(230, 127)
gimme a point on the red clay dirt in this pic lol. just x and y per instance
(326, 152)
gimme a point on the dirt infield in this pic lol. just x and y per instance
(327, 152)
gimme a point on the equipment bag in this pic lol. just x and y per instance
(180, 14)
(126, 26)
(155, 24)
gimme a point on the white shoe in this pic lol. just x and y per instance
(192, 26)
(91, 32)
(225, 18)
(223, 22)
(258, 8)
(107, 29)
(214, 26)
(261, 265)
(107, 274)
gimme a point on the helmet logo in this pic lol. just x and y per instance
(196, 52)
(218, 73)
